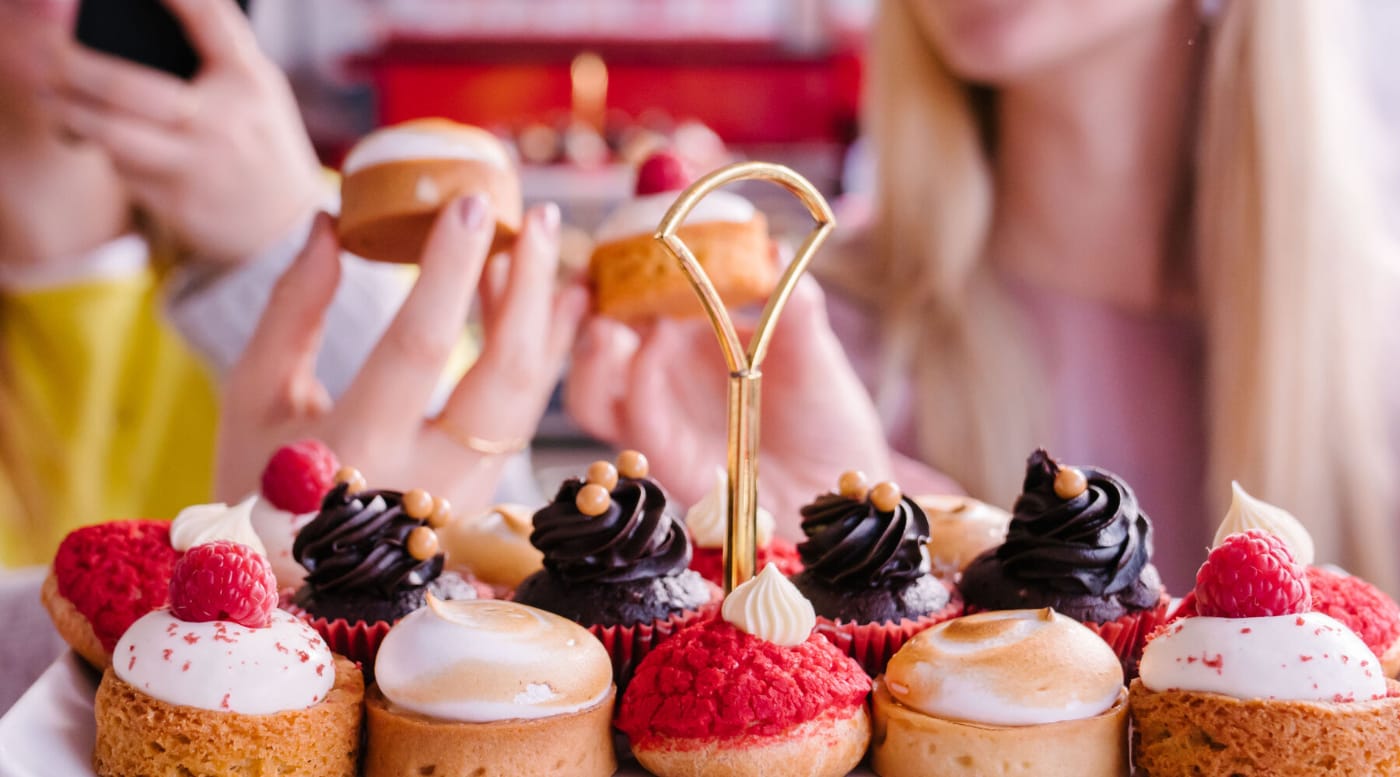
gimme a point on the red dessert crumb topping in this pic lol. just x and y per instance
(224, 701)
(165, 654)
(713, 681)
(114, 573)
(709, 562)
(1359, 605)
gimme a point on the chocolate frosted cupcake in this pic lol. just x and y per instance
(371, 558)
(1078, 543)
(867, 570)
(615, 561)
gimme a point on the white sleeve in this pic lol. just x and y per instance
(216, 311)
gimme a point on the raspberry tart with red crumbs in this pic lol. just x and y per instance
(295, 480)
(1258, 682)
(103, 579)
(756, 691)
(221, 682)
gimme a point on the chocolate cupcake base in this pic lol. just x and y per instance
(616, 604)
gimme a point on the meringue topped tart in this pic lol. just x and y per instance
(489, 687)
(396, 179)
(635, 277)
(1018, 692)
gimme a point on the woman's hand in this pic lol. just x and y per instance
(663, 392)
(378, 425)
(223, 161)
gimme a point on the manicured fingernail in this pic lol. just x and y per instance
(548, 218)
(472, 211)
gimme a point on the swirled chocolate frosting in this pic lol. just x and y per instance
(1088, 556)
(359, 542)
(636, 539)
(866, 565)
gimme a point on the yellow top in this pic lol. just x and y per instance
(104, 413)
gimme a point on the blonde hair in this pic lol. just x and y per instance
(1294, 403)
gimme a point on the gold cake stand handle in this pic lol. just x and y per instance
(745, 363)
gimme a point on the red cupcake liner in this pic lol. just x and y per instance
(872, 644)
(628, 645)
(1128, 635)
(358, 641)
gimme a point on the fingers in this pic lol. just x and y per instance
(134, 145)
(279, 364)
(598, 374)
(571, 304)
(397, 381)
(520, 317)
(136, 91)
(217, 29)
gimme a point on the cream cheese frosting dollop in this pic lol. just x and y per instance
(226, 667)
(708, 518)
(486, 660)
(641, 215)
(1247, 513)
(771, 608)
(426, 139)
(278, 529)
(1007, 668)
(200, 524)
(1305, 657)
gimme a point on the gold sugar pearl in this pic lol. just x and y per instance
(418, 504)
(422, 543)
(1070, 482)
(442, 513)
(603, 473)
(593, 500)
(886, 496)
(352, 478)
(853, 484)
(632, 464)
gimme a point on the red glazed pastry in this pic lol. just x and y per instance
(104, 578)
(754, 692)
(1364, 608)
(867, 570)
(707, 522)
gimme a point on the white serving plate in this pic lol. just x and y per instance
(49, 732)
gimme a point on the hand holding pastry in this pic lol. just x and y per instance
(272, 396)
(664, 390)
(222, 160)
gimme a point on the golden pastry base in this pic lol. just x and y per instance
(1186, 732)
(908, 743)
(818, 748)
(387, 210)
(405, 744)
(141, 735)
(72, 625)
(637, 278)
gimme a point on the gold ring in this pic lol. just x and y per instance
(480, 444)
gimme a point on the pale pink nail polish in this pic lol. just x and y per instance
(472, 211)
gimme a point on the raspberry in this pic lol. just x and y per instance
(223, 581)
(1251, 575)
(298, 476)
(662, 172)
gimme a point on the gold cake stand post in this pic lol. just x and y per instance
(745, 364)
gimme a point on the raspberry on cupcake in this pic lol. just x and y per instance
(1080, 544)
(708, 521)
(867, 570)
(1257, 682)
(615, 561)
(222, 682)
(754, 692)
(372, 557)
(293, 483)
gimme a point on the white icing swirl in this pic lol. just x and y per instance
(201, 524)
(489, 660)
(1247, 513)
(1007, 668)
(278, 529)
(771, 608)
(1307, 657)
(708, 518)
(224, 667)
(641, 215)
(431, 139)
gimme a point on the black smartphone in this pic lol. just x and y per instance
(142, 31)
